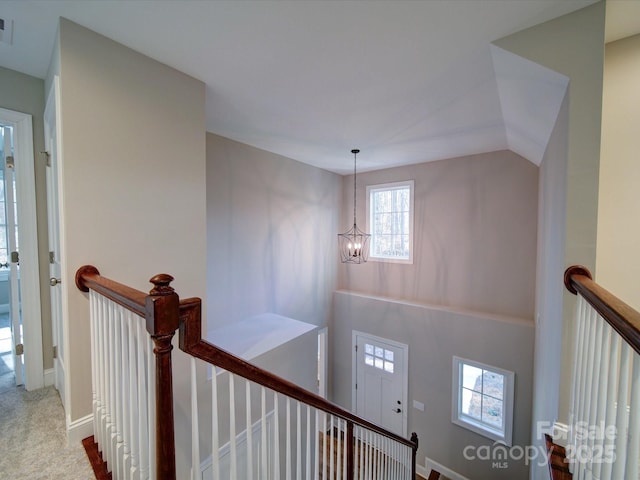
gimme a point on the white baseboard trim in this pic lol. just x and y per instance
(79, 429)
(433, 465)
(420, 470)
(49, 377)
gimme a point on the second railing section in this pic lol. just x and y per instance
(247, 423)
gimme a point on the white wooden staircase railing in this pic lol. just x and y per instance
(605, 425)
(259, 426)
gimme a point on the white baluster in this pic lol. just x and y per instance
(367, 455)
(104, 372)
(612, 398)
(379, 451)
(94, 360)
(298, 443)
(111, 406)
(308, 462)
(344, 450)
(249, 430)
(195, 422)
(361, 452)
(581, 366)
(126, 394)
(331, 452)
(119, 397)
(621, 414)
(143, 418)
(232, 427)
(276, 437)
(288, 439)
(631, 468)
(600, 417)
(263, 440)
(134, 377)
(576, 366)
(151, 398)
(594, 378)
(215, 442)
(584, 389)
(338, 446)
(316, 462)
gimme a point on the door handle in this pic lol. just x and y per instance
(53, 281)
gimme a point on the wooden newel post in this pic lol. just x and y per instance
(414, 439)
(162, 316)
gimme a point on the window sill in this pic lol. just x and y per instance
(406, 261)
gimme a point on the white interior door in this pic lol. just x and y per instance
(381, 381)
(11, 256)
(52, 146)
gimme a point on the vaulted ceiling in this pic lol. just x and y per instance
(405, 81)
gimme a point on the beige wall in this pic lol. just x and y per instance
(133, 187)
(618, 254)
(23, 93)
(434, 335)
(475, 251)
(271, 226)
(475, 235)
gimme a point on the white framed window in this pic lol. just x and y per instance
(482, 399)
(390, 217)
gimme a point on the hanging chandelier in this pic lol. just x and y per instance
(354, 244)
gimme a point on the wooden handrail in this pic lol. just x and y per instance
(191, 342)
(623, 318)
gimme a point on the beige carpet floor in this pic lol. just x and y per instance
(33, 442)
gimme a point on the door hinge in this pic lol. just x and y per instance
(10, 161)
(48, 157)
(52, 257)
(356, 348)
(356, 386)
(19, 349)
(15, 257)
(55, 351)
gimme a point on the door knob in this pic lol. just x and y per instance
(397, 410)
(53, 281)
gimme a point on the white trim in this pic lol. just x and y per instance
(501, 435)
(560, 434)
(28, 233)
(323, 360)
(49, 377)
(420, 470)
(369, 225)
(405, 381)
(52, 116)
(79, 429)
(447, 472)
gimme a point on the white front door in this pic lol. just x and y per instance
(51, 142)
(381, 381)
